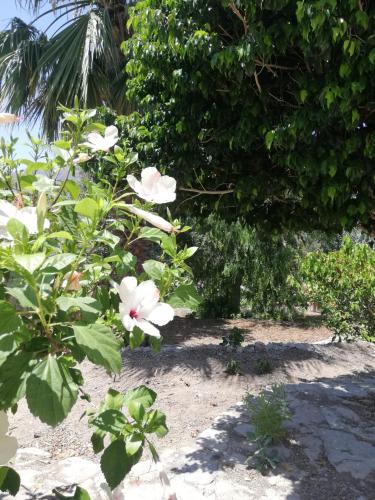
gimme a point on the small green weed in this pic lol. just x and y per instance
(233, 367)
(234, 339)
(263, 366)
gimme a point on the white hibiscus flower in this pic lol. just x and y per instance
(26, 215)
(8, 444)
(97, 142)
(140, 306)
(153, 187)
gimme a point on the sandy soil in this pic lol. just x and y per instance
(188, 376)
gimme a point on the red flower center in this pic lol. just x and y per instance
(133, 314)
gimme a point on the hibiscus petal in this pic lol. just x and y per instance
(7, 209)
(132, 181)
(161, 314)
(150, 176)
(8, 448)
(146, 327)
(146, 295)
(128, 322)
(164, 196)
(94, 138)
(168, 183)
(126, 288)
(111, 133)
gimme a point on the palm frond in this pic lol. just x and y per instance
(21, 48)
(82, 58)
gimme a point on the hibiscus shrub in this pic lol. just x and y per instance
(69, 289)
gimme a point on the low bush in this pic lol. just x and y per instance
(342, 284)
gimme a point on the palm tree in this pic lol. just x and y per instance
(81, 57)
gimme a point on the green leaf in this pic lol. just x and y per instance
(30, 262)
(155, 423)
(88, 305)
(100, 345)
(13, 376)
(18, 231)
(134, 443)
(185, 296)
(115, 463)
(97, 441)
(112, 421)
(9, 480)
(61, 234)
(114, 400)
(142, 395)
(41, 211)
(151, 233)
(87, 207)
(136, 410)
(303, 95)
(7, 345)
(269, 138)
(72, 188)
(59, 262)
(10, 320)
(154, 269)
(136, 337)
(25, 296)
(79, 494)
(51, 391)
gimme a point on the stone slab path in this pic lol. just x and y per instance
(329, 453)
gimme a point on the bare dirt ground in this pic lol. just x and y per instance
(192, 332)
(188, 376)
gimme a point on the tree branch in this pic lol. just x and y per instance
(207, 191)
(235, 11)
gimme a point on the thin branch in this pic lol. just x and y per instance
(235, 11)
(225, 32)
(207, 191)
(275, 66)
(257, 82)
(282, 101)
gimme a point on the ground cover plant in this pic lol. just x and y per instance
(69, 289)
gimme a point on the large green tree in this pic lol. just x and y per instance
(77, 54)
(267, 105)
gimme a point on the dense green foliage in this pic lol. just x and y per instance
(272, 100)
(342, 283)
(237, 265)
(78, 54)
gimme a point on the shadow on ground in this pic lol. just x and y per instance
(329, 453)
